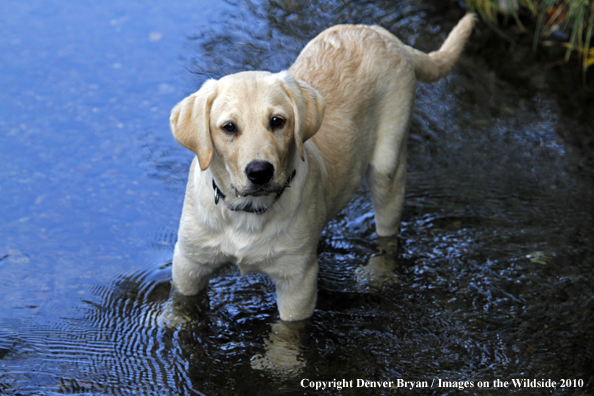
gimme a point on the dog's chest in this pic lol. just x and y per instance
(244, 246)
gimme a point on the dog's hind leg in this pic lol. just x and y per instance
(387, 196)
(386, 174)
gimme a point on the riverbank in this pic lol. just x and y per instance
(504, 45)
(565, 24)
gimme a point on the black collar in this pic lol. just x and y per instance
(218, 194)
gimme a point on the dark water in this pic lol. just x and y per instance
(490, 278)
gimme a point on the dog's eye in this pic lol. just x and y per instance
(277, 122)
(230, 127)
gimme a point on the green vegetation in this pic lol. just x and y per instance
(574, 17)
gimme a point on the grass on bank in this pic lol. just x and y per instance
(576, 17)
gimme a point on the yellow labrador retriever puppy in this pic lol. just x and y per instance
(278, 155)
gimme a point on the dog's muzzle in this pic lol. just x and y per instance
(218, 195)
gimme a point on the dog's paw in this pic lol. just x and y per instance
(171, 317)
(179, 309)
(279, 361)
(378, 272)
(282, 351)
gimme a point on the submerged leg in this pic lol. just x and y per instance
(380, 269)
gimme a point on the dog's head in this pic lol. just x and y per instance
(252, 125)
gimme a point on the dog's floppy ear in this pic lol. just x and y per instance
(190, 122)
(308, 109)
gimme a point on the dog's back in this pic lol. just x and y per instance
(355, 67)
(342, 64)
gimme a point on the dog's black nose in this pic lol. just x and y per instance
(259, 172)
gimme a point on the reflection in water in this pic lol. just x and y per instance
(282, 350)
(380, 269)
(490, 277)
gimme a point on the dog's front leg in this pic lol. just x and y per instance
(190, 275)
(296, 280)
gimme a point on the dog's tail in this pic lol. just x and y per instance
(435, 65)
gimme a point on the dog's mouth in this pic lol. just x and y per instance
(253, 191)
(256, 191)
(261, 190)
